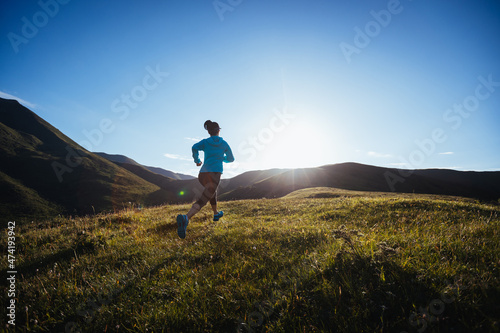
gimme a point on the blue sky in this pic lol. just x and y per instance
(298, 83)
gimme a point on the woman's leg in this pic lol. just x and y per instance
(209, 180)
(195, 208)
(213, 203)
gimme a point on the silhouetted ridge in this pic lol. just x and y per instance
(360, 177)
(30, 185)
(122, 160)
(31, 148)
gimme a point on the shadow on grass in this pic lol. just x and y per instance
(164, 229)
(83, 245)
(360, 294)
(356, 292)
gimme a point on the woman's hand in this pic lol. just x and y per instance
(198, 164)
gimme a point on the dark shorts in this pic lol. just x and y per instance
(210, 181)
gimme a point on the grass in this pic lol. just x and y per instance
(311, 262)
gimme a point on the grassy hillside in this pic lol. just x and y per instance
(82, 182)
(21, 201)
(346, 263)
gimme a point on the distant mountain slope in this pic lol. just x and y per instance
(117, 158)
(170, 174)
(37, 158)
(242, 182)
(124, 159)
(17, 200)
(359, 177)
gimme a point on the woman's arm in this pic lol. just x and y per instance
(228, 155)
(195, 149)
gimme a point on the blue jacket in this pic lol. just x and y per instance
(216, 151)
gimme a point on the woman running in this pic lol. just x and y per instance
(216, 151)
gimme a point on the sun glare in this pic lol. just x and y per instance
(298, 145)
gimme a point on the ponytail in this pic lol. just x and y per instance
(207, 124)
(212, 127)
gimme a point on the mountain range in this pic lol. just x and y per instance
(124, 160)
(43, 172)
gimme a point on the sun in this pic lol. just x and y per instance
(297, 145)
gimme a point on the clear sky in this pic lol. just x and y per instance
(295, 83)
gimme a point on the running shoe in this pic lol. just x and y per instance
(218, 216)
